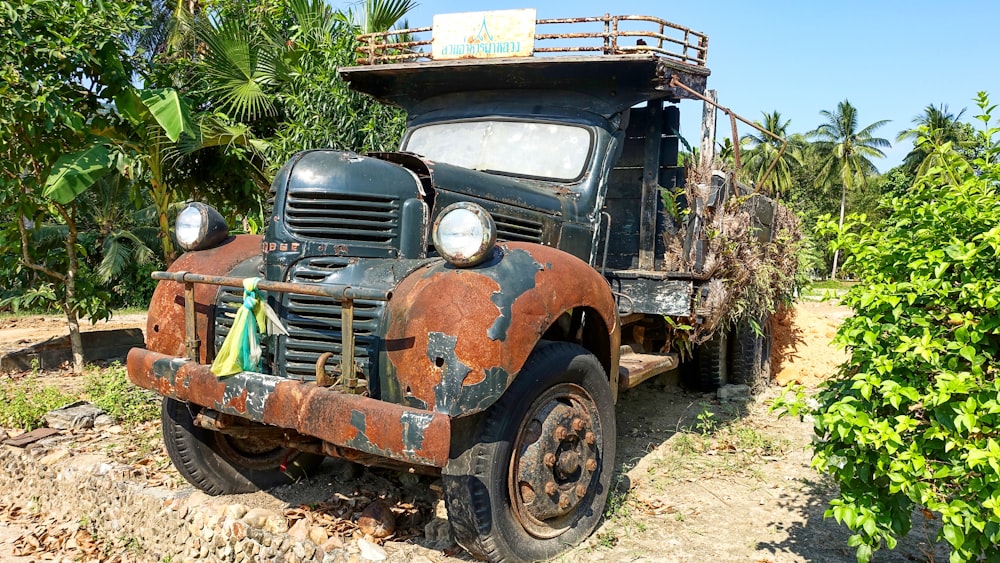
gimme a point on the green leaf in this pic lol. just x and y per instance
(73, 174)
(164, 105)
(968, 352)
(954, 535)
(169, 110)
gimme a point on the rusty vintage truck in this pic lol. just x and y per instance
(471, 305)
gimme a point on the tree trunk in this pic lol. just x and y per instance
(161, 198)
(836, 253)
(75, 342)
(73, 267)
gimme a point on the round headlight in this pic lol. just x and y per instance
(464, 234)
(198, 227)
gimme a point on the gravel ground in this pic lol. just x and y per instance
(699, 480)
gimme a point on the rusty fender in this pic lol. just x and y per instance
(360, 423)
(165, 321)
(456, 338)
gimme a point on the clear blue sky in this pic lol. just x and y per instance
(889, 58)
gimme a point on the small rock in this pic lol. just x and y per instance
(377, 520)
(102, 420)
(236, 511)
(438, 533)
(333, 543)
(734, 393)
(197, 498)
(54, 456)
(300, 531)
(440, 510)
(79, 415)
(318, 535)
(237, 530)
(371, 551)
(299, 550)
(258, 517)
(276, 524)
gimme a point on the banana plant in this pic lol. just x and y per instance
(157, 119)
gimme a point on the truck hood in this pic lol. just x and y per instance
(549, 198)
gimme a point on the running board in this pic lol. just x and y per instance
(634, 368)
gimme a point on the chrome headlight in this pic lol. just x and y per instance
(198, 227)
(464, 234)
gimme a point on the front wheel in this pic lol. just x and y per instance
(219, 464)
(533, 479)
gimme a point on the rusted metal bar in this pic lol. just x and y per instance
(347, 341)
(675, 82)
(345, 420)
(339, 292)
(191, 342)
(385, 46)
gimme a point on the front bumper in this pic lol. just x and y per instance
(359, 423)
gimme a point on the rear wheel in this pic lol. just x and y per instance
(750, 354)
(220, 464)
(710, 370)
(533, 479)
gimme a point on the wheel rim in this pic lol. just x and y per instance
(252, 453)
(555, 467)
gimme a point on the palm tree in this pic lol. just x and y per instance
(932, 129)
(847, 152)
(766, 150)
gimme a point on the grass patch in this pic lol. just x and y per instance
(111, 391)
(25, 403)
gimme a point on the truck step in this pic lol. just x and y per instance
(634, 368)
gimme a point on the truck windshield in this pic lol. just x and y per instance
(540, 150)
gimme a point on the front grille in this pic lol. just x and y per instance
(372, 220)
(313, 324)
(230, 300)
(516, 229)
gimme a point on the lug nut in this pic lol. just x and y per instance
(550, 488)
(527, 493)
(560, 432)
(580, 491)
(590, 438)
(577, 425)
(549, 460)
(564, 501)
(591, 465)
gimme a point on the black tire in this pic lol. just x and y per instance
(710, 363)
(220, 464)
(750, 355)
(502, 494)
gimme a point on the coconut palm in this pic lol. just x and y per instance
(765, 150)
(932, 129)
(847, 152)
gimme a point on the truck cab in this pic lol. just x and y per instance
(471, 304)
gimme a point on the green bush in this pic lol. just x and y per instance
(913, 420)
(110, 390)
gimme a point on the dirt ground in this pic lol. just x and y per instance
(18, 332)
(698, 480)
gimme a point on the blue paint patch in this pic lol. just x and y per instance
(414, 426)
(441, 353)
(480, 396)
(516, 276)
